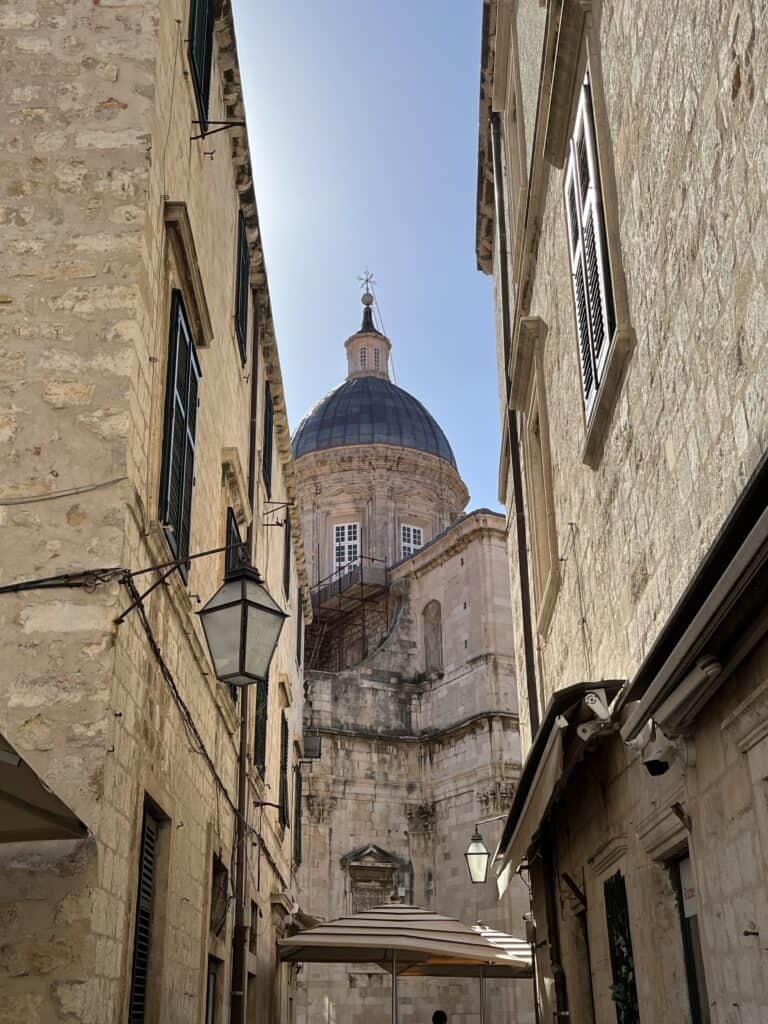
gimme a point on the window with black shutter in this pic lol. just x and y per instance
(242, 288)
(283, 797)
(237, 552)
(266, 452)
(287, 555)
(210, 990)
(150, 830)
(299, 630)
(201, 17)
(590, 270)
(181, 401)
(297, 816)
(260, 733)
(623, 989)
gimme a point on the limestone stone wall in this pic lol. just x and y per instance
(409, 762)
(637, 497)
(108, 205)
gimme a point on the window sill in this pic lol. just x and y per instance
(599, 424)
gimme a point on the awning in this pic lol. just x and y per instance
(721, 616)
(28, 808)
(542, 777)
(415, 941)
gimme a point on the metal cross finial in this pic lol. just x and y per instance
(366, 280)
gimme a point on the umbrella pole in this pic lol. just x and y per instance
(394, 986)
(482, 996)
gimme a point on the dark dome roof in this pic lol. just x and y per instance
(370, 410)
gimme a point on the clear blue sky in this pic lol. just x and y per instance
(362, 121)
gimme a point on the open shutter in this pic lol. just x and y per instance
(201, 17)
(299, 629)
(242, 288)
(590, 272)
(260, 734)
(283, 797)
(623, 990)
(144, 900)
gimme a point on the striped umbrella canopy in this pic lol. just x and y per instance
(410, 941)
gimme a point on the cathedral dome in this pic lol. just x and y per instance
(365, 410)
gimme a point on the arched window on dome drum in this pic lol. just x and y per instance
(377, 359)
(363, 358)
(433, 637)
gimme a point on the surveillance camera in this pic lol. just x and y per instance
(658, 752)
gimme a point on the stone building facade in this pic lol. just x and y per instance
(622, 212)
(411, 716)
(134, 285)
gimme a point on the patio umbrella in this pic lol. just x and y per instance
(406, 940)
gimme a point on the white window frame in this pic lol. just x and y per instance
(345, 545)
(590, 271)
(363, 358)
(411, 539)
(377, 359)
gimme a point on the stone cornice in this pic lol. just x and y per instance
(226, 50)
(458, 536)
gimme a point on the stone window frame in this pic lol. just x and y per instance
(180, 273)
(539, 489)
(408, 548)
(620, 346)
(346, 543)
(576, 52)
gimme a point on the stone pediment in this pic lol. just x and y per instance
(370, 856)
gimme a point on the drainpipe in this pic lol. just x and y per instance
(239, 993)
(512, 433)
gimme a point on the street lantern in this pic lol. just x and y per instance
(477, 855)
(242, 625)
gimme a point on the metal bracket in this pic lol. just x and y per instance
(221, 126)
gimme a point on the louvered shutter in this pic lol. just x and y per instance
(242, 288)
(623, 990)
(178, 471)
(266, 452)
(287, 555)
(299, 629)
(297, 817)
(260, 734)
(201, 17)
(143, 930)
(283, 797)
(590, 273)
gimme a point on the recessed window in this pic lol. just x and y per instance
(145, 916)
(201, 18)
(260, 729)
(296, 816)
(287, 555)
(242, 288)
(590, 269)
(377, 359)
(266, 451)
(411, 539)
(282, 800)
(363, 358)
(299, 629)
(688, 902)
(177, 476)
(346, 545)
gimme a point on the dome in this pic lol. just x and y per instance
(370, 410)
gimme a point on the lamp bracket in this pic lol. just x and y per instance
(221, 126)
